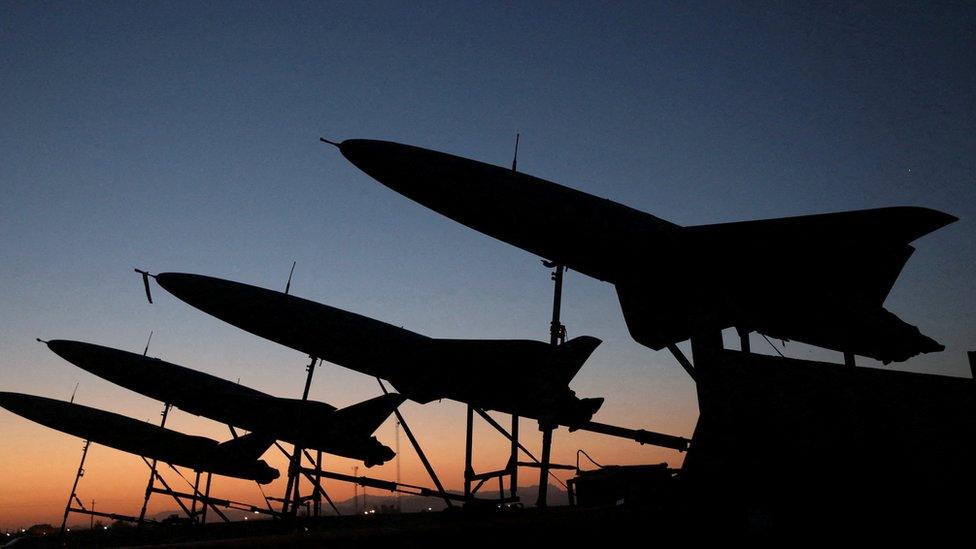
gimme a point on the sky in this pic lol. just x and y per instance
(176, 136)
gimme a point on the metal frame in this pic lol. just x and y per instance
(292, 497)
(510, 470)
(206, 502)
(152, 469)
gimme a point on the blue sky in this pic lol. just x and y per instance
(182, 137)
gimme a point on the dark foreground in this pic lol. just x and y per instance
(560, 526)
(513, 528)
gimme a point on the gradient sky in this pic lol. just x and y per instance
(183, 137)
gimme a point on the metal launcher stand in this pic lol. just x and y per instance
(293, 499)
(315, 473)
(474, 481)
(152, 471)
(557, 336)
(510, 470)
(195, 496)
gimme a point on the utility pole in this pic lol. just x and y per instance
(355, 490)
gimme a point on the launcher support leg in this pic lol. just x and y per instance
(419, 450)
(317, 480)
(743, 340)
(542, 500)
(294, 479)
(74, 487)
(168, 489)
(206, 498)
(297, 496)
(557, 332)
(557, 335)
(291, 481)
(468, 468)
(318, 484)
(682, 359)
(513, 464)
(152, 471)
(193, 502)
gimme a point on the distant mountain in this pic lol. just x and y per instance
(387, 502)
(418, 504)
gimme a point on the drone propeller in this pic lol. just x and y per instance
(145, 283)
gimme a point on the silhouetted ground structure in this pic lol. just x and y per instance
(551, 527)
(652, 485)
(794, 444)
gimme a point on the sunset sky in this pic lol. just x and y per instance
(182, 137)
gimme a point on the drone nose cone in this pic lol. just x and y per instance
(369, 155)
(398, 166)
(63, 348)
(197, 290)
(179, 284)
(101, 361)
(82, 355)
(225, 299)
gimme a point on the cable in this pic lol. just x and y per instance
(593, 461)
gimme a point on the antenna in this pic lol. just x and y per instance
(288, 285)
(146, 350)
(515, 159)
(73, 393)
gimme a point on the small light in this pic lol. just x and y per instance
(245, 518)
(104, 527)
(255, 512)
